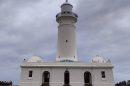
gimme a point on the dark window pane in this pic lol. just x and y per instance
(103, 74)
(30, 73)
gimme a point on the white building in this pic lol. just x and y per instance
(67, 70)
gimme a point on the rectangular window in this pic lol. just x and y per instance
(30, 73)
(103, 74)
(66, 41)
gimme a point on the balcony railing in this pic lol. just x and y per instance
(66, 14)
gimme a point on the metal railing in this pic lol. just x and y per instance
(66, 14)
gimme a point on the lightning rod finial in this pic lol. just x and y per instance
(66, 0)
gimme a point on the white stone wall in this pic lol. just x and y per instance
(66, 31)
(36, 79)
(99, 81)
(76, 76)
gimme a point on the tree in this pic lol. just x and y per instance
(123, 83)
(5, 83)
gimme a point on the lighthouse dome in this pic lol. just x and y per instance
(98, 59)
(35, 59)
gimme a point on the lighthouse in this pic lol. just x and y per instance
(66, 45)
(66, 70)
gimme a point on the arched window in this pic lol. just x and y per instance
(45, 78)
(87, 79)
(66, 78)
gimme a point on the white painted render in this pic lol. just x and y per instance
(66, 49)
(57, 69)
(66, 59)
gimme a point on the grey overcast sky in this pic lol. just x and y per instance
(28, 27)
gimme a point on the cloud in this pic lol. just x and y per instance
(25, 30)
(104, 25)
(28, 27)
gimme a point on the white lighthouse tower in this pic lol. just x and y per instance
(66, 70)
(66, 50)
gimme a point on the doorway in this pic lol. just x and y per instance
(87, 79)
(45, 78)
